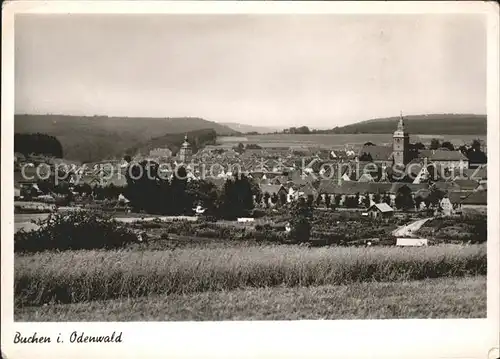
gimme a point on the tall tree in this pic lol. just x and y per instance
(237, 197)
(448, 145)
(300, 222)
(435, 144)
(327, 200)
(366, 200)
(404, 199)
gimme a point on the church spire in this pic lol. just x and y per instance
(401, 125)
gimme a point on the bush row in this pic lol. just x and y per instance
(74, 230)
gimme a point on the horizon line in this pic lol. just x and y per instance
(312, 127)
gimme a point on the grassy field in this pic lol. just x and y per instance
(433, 298)
(80, 276)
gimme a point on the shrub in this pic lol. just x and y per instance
(76, 230)
(258, 213)
(209, 218)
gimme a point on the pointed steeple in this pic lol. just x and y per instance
(401, 125)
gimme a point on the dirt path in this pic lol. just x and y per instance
(408, 229)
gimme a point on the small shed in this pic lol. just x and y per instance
(245, 220)
(380, 210)
(411, 242)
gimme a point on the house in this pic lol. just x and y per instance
(382, 210)
(307, 191)
(449, 159)
(476, 202)
(366, 177)
(446, 207)
(341, 154)
(161, 152)
(377, 154)
(447, 187)
(345, 189)
(419, 173)
(471, 201)
(466, 184)
(276, 192)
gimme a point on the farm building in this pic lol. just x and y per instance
(380, 210)
(276, 193)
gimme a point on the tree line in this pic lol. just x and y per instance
(155, 194)
(38, 144)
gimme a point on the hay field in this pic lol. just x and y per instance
(431, 298)
(83, 276)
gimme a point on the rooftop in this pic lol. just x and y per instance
(382, 207)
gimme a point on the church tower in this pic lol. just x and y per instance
(185, 151)
(400, 144)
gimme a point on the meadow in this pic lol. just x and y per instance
(431, 298)
(84, 276)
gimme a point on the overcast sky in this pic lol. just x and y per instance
(276, 70)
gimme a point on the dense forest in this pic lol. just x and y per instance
(443, 124)
(37, 143)
(96, 138)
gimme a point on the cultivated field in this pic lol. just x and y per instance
(340, 140)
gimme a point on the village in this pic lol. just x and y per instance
(233, 166)
(376, 181)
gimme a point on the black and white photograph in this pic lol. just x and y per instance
(205, 167)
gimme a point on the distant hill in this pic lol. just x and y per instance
(173, 141)
(85, 138)
(433, 124)
(240, 127)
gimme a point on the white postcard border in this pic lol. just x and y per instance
(468, 338)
